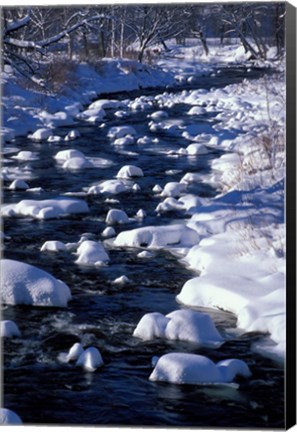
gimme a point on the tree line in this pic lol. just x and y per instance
(33, 35)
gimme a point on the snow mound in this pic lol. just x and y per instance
(121, 281)
(159, 115)
(53, 246)
(75, 352)
(47, 209)
(184, 368)
(128, 171)
(197, 110)
(186, 325)
(8, 417)
(116, 216)
(108, 232)
(26, 284)
(26, 155)
(9, 329)
(173, 189)
(91, 253)
(64, 155)
(158, 237)
(77, 163)
(90, 360)
(196, 149)
(121, 131)
(126, 140)
(72, 135)
(19, 184)
(41, 134)
(112, 187)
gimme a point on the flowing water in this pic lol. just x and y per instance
(40, 388)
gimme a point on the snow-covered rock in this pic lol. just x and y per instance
(159, 115)
(91, 253)
(185, 368)
(9, 329)
(53, 246)
(8, 417)
(129, 171)
(72, 135)
(158, 237)
(116, 216)
(19, 184)
(90, 359)
(196, 149)
(126, 140)
(26, 155)
(184, 324)
(26, 284)
(65, 155)
(46, 209)
(121, 131)
(112, 187)
(108, 232)
(173, 189)
(41, 134)
(77, 163)
(121, 281)
(197, 110)
(75, 352)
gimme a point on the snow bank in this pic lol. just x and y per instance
(186, 325)
(91, 253)
(9, 329)
(46, 209)
(158, 237)
(26, 284)
(184, 368)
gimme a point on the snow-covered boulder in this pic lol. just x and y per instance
(184, 324)
(112, 187)
(8, 417)
(46, 209)
(41, 134)
(53, 246)
(65, 155)
(116, 216)
(75, 352)
(9, 329)
(121, 131)
(196, 149)
(108, 232)
(129, 171)
(173, 189)
(159, 115)
(158, 237)
(72, 135)
(26, 155)
(19, 184)
(90, 360)
(126, 140)
(26, 284)
(91, 253)
(77, 163)
(121, 281)
(197, 110)
(151, 326)
(185, 368)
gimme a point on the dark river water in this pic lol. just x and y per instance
(42, 390)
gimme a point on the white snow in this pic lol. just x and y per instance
(8, 417)
(121, 131)
(75, 352)
(26, 155)
(185, 368)
(9, 329)
(122, 281)
(45, 209)
(108, 232)
(90, 359)
(129, 171)
(158, 237)
(116, 216)
(184, 324)
(53, 246)
(19, 184)
(196, 149)
(173, 189)
(112, 187)
(91, 253)
(72, 135)
(41, 134)
(26, 284)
